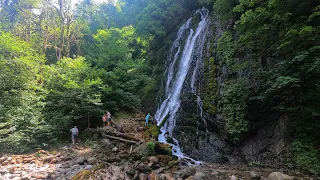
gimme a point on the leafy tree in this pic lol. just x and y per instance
(21, 94)
(74, 94)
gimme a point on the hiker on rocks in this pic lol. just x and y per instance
(147, 119)
(106, 118)
(74, 134)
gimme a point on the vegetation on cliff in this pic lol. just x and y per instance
(272, 46)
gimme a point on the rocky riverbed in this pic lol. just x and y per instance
(125, 153)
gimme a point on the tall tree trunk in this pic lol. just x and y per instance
(61, 5)
(88, 120)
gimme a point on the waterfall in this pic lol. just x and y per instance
(177, 73)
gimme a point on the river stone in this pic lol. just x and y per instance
(115, 149)
(65, 148)
(254, 175)
(233, 177)
(48, 159)
(25, 178)
(131, 172)
(88, 167)
(80, 160)
(141, 150)
(185, 172)
(173, 163)
(199, 176)
(279, 176)
(143, 176)
(153, 159)
(105, 141)
(92, 160)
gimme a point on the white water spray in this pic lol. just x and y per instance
(170, 106)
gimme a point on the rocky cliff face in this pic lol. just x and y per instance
(266, 141)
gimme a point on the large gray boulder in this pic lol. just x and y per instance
(279, 176)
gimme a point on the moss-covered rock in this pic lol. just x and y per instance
(85, 174)
(145, 149)
(173, 163)
(153, 131)
(161, 148)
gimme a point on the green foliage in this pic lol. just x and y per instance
(226, 49)
(235, 107)
(273, 50)
(210, 91)
(256, 163)
(153, 131)
(74, 93)
(160, 17)
(224, 9)
(21, 94)
(305, 155)
(150, 147)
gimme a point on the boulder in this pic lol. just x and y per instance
(173, 163)
(80, 160)
(254, 175)
(141, 150)
(185, 172)
(131, 172)
(233, 177)
(25, 178)
(88, 167)
(166, 177)
(153, 159)
(48, 159)
(200, 176)
(279, 176)
(143, 176)
(92, 160)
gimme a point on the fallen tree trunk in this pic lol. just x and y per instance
(121, 139)
(112, 133)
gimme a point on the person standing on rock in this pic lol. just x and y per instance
(74, 134)
(147, 119)
(106, 118)
(109, 118)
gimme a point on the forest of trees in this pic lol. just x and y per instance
(63, 65)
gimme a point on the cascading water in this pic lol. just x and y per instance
(192, 51)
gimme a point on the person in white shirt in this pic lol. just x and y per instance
(74, 134)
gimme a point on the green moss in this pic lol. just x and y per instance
(85, 174)
(153, 131)
(150, 147)
(164, 149)
(211, 89)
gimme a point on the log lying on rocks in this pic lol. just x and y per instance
(121, 139)
(104, 131)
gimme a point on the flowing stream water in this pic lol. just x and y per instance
(179, 66)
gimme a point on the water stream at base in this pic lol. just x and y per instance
(192, 51)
